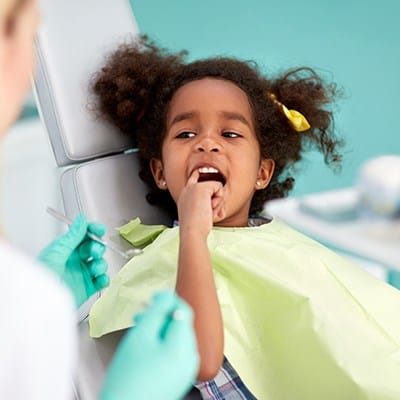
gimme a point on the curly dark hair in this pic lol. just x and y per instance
(137, 83)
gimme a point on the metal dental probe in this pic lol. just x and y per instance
(125, 254)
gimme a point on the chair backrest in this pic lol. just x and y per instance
(100, 168)
(102, 179)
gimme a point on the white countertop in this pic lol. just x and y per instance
(331, 218)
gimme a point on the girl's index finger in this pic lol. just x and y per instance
(194, 177)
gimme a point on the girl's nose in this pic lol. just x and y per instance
(208, 145)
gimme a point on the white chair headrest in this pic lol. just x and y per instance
(72, 42)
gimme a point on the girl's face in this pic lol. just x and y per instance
(16, 61)
(210, 128)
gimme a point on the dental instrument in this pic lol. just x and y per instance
(128, 254)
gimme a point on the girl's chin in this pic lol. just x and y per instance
(219, 221)
(230, 222)
(221, 216)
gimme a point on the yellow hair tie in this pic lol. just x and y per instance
(297, 120)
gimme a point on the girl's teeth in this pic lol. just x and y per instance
(208, 170)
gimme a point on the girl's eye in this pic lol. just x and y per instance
(231, 134)
(185, 135)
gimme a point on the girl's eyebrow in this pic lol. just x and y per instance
(182, 117)
(229, 115)
(232, 115)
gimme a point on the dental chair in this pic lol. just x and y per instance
(98, 165)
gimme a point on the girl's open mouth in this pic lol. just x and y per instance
(211, 174)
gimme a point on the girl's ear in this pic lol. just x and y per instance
(158, 173)
(265, 172)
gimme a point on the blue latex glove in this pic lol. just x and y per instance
(78, 260)
(157, 359)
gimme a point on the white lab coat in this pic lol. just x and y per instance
(38, 341)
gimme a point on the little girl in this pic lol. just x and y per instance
(277, 316)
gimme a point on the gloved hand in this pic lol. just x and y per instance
(157, 358)
(78, 260)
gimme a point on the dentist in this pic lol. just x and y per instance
(38, 339)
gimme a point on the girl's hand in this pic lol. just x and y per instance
(200, 204)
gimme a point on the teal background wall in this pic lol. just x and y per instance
(352, 42)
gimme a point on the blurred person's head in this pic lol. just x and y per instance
(18, 25)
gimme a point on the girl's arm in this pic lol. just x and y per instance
(195, 284)
(198, 204)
